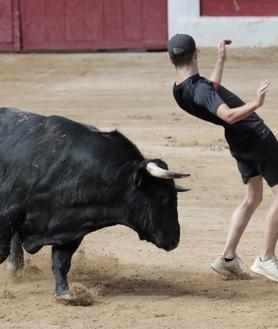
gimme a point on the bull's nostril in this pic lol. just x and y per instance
(172, 245)
(176, 243)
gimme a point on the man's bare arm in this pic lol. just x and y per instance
(217, 72)
(231, 116)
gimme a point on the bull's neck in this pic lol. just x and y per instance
(93, 218)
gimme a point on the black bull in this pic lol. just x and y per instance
(61, 180)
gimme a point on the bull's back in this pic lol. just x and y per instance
(33, 148)
(46, 152)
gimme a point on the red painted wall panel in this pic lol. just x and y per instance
(93, 24)
(132, 17)
(154, 21)
(83, 20)
(32, 11)
(6, 29)
(113, 20)
(9, 25)
(93, 20)
(54, 20)
(42, 21)
(239, 7)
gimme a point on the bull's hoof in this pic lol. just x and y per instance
(79, 296)
(65, 297)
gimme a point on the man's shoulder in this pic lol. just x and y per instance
(203, 85)
(192, 83)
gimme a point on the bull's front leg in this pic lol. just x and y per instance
(61, 262)
(16, 259)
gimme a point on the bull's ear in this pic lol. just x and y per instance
(140, 173)
(137, 179)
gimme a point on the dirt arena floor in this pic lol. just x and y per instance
(138, 285)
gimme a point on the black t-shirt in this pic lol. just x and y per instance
(201, 98)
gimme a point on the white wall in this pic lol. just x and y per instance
(184, 17)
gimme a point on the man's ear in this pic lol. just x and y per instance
(195, 55)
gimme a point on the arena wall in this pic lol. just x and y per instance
(245, 31)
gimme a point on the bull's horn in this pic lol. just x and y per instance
(180, 188)
(154, 170)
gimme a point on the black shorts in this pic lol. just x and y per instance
(260, 159)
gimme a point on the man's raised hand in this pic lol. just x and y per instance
(261, 92)
(222, 50)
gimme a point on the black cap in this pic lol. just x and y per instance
(181, 44)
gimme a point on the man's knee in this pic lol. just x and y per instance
(253, 200)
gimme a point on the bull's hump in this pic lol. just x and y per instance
(89, 137)
(122, 144)
(68, 125)
(83, 136)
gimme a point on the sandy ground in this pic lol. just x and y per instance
(141, 286)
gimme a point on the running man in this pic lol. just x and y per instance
(251, 143)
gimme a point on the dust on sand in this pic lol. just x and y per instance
(136, 284)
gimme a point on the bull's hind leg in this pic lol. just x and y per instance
(5, 243)
(8, 218)
(61, 262)
(16, 258)
(4, 251)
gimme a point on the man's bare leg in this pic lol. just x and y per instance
(242, 215)
(267, 264)
(271, 228)
(228, 264)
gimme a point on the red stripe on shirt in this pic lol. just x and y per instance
(215, 86)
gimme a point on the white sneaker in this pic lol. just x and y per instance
(268, 268)
(229, 269)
